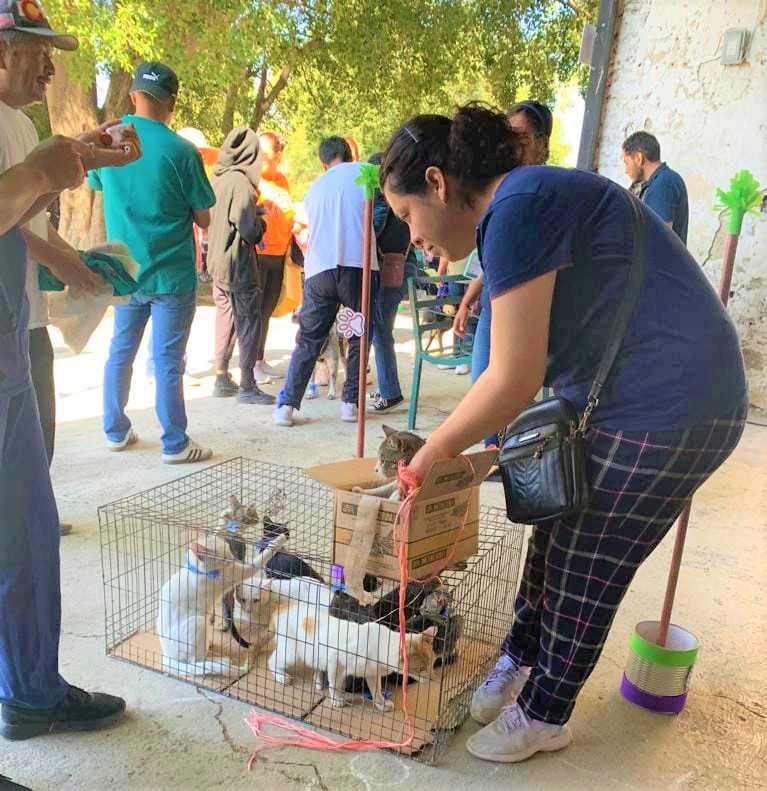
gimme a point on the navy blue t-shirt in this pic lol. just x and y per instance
(665, 193)
(680, 364)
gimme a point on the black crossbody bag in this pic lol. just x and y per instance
(544, 452)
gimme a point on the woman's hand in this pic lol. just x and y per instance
(422, 461)
(461, 320)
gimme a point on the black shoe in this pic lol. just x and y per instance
(6, 784)
(225, 386)
(384, 405)
(79, 711)
(252, 395)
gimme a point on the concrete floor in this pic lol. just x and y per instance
(177, 738)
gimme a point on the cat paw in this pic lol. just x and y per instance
(385, 705)
(283, 678)
(338, 703)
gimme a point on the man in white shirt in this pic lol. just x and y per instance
(335, 209)
(25, 72)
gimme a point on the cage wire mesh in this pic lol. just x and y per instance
(169, 566)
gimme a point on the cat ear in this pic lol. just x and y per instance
(266, 584)
(235, 503)
(430, 633)
(388, 431)
(197, 549)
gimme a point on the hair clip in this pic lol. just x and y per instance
(412, 134)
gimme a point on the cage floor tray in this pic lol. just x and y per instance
(357, 720)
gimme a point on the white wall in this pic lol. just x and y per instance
(711, 120)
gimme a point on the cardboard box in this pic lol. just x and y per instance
(449, 498)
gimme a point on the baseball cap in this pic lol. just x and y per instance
(156, 79)
(27, 16)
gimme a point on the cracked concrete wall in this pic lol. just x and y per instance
(711, 121)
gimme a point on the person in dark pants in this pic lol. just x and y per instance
(671, 414)
(393, 236)
(335, 208)
(273, 248)
(237, 226)
(661, 188)
(34, 698)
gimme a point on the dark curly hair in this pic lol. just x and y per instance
(474, 147)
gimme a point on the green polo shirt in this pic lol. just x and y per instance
(148, 206)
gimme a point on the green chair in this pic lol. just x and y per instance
(428, 319)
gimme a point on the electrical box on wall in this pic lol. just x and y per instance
(734, 46)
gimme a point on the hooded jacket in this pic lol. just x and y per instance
(236, 225)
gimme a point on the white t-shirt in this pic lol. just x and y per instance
(18, 137)
(335, 211)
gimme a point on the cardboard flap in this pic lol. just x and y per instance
(452, 475)
(344, 474)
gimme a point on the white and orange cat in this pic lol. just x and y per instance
(308, 635)
(187, 599)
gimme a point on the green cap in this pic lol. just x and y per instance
(156, 79)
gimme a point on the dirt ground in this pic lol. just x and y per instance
(177, 738)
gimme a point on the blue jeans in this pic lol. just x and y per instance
(384, 315)
(480, 353)
(172, 316)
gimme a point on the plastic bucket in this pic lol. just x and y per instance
(657, 677)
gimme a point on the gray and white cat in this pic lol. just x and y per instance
(397, 446)
(189, 597)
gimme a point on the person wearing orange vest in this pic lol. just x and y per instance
(276, 200)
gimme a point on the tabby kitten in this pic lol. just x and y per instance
(397, 445)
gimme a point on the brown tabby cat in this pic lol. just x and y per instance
(397, 445)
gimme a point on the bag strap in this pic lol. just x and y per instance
(622, 317)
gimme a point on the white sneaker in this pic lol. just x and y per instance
(445, 367)
(268, 370)
(283, 415)
(514, 737)
(131, 438)
(500, 688)
(349, 413)
(261, 377)
(191, 454)
(312, 391)
(462, 369)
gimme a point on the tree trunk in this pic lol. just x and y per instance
(227, 121)
(72, 109)
(118, 101)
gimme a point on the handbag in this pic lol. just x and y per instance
(391, 265)
(544, 452)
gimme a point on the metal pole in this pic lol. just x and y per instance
(365, 307)
(730, 248)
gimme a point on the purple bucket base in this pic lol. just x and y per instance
(646, 700)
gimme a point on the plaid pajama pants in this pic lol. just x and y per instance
(578, 569)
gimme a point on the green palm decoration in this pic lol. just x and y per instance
(743, 198)
(369, 179)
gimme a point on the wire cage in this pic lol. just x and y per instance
(278, 634)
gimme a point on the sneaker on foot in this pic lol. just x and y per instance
(131, 438)
(189, 455)
(462, 369)
(500, 688)
(283, 415)
(349, 413)
(269, 370)
(514, 737)
(384, 405)
(312, 391)
(252, 395)
(224, 386)
(79, 711)
(374, 395)
(445, 367)
(261, 377)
